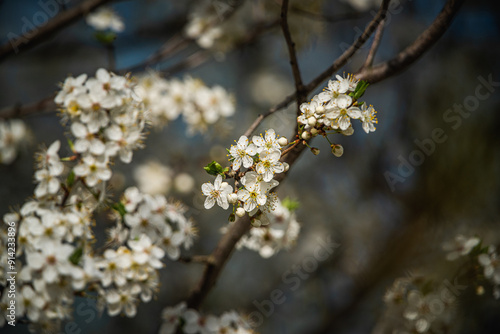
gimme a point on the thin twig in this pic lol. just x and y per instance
(297, 78)
(375, 44)
(413, 52)
(17, 44)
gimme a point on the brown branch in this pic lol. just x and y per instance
(24, 110)
(30, 39)
(413, 52)
(297, 78)
(375, 44)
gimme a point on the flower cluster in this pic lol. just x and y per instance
(334, 108)
(151, 227)
(105, 19)
(54, 250)
(192, 322)
(485, 258)
(13, 134)
(261, 158)
(199, 105)
(212, 28)
(163, 222)
(278, 230)
(107, 119)
(421, 305)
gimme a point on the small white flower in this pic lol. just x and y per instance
(459, 247)
(105, 18)
(146, 252)
(268, 143)
(269, 164)
(343, 113)
(48, 184)
(216, 192)
(242, 153)
(86, 140)
(122, 299)
(369, 118)
(93, 170)
(252, 196)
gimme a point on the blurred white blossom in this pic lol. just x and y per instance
(105, 18)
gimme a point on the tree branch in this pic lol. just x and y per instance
(409, 55)
(39, 34)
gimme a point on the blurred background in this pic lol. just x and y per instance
(388, 221)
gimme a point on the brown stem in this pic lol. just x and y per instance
(376, 42)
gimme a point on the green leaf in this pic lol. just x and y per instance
(290, 204)
(360, 89)
(214, 168)
(105, 37)
(70, 180)
(71, 145)
(76, 256)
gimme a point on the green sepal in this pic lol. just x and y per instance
(70, 180)
(120, 208)
(105, 37)
(76, 256)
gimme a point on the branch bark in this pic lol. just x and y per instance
(39, 34)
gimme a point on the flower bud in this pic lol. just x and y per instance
(480, 290)
(283, 141)
(315, 150)
(232, 217)
(349, 131)
(314, 132)
(240, 212)
(232, 198)
(306, 135)
(286, 166)
(320, 109)
(337, 150)
(255, 222)
(312, 121)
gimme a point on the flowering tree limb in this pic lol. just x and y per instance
(241, 226)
